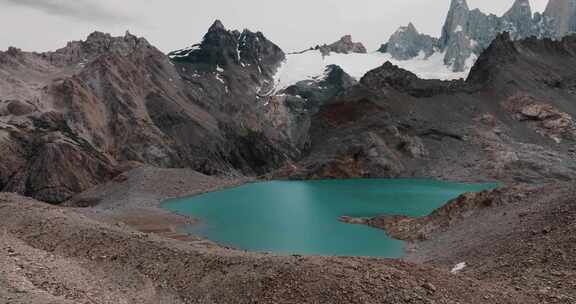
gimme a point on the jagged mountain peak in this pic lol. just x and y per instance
(407, 43)
(221, 48)
(410, 28)
(503, 43)
(501, 50)
(98, 36)
(97, 43)
(217, 26)
(106, 39)
(335, 75)
(520, 8)
(522, 4)
(346, 39)
(466, 33)
(459, 4)
(456, 21)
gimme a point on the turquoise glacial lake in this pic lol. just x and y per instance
(301, 217)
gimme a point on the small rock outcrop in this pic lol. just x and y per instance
(316, 92)
(390, 76)
(542, 117)
(343, 46)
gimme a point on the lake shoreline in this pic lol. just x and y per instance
(249, 208)
(93, 256)
(493, 261)
(135, 200)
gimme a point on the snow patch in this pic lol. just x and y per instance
(473, 43)
(184, 52)
(191, 48)
(459, 267)
(312, 65)
(219, 77)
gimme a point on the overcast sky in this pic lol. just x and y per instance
(41, 25)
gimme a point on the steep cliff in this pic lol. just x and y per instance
(73, 118)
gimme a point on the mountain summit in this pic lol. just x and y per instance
(222, 48)
(407, 43)
(466, 33)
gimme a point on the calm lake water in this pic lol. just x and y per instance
(294, 217)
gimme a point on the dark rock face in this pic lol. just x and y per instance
(223, 48)
(343, 46)
(111, 101)
(502, 51)
(291, 109)
(512, 120)
(317, 92)
(389, 76)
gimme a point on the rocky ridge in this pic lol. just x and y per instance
(121, 103)
(512, 120)
(78, 116)
(343, 46)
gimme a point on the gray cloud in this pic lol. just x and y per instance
(82, 10)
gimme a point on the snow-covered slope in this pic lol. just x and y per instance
(311, 65)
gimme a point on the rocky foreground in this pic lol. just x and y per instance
(56, 255)
(516, 245)
(95, 125)
(521, 237)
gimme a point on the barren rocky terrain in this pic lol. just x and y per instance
(520, 237)
(55, 255)
(516, 243)
(107, 128)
